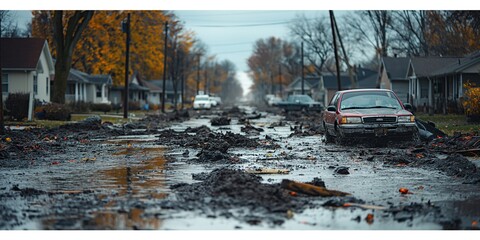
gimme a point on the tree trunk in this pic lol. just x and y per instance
(60, 82)
(66, 37)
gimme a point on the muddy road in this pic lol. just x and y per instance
(226, 169)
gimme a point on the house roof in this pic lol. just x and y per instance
(82, 77)
(427, 66)
(366, 78)
(168, 84)
(311, 81)
(153, 87)
(459, 65)
(21, 53)
(396, 68)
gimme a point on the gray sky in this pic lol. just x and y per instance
(232, 34)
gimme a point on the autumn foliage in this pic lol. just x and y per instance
(472, 99)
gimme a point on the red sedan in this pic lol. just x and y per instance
(368, 113)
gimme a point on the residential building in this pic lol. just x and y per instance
(27, 66)
(83, 87)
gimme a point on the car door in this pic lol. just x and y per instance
(329, 116)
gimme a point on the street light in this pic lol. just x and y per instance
(126, 29)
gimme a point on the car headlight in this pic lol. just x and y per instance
(346, 120)
(404, 119)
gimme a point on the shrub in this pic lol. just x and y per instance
(17, 105)
(55, 111)
(79, 107)
(101, 107)
(471, 102)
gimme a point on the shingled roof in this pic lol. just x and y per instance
(21, 53)
(396, 67)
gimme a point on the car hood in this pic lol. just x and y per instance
(377, 111)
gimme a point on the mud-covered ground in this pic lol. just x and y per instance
(223, 169)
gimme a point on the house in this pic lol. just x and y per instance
(323, 88)
(423, 86)
(83, 87)
(137, 94)
(393, 75)
(312, 86)
(432, 84)
(27, 66)
(169, 90)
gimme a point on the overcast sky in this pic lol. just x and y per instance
(232, 34)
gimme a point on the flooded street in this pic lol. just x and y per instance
(151, 182)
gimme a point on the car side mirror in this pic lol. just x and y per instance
(331, 108)
(408, 107)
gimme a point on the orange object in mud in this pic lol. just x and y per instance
(293, 193)
(369, 218)
(474, 223)
(403, 190)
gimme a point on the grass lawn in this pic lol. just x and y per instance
(450, 123)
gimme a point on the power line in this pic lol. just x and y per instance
(233, 14)
(243, 25)
(230, 44)
(239, 51)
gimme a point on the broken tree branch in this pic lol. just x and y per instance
(310, 189)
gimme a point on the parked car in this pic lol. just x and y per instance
(202, 102)
(300, 103)
(273, 101)
(367, 113)
(216, 101)
(213, 102)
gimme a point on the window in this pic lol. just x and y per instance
(99, 90)
(48, 84)
(70, 89)
(35, 85)
(5, 83)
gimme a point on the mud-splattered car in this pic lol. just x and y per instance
(367, 113)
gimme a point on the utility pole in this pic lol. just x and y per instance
(303, 72)
(280, 78)
(206, 78)
(2, 125)
(164, 66)
(332, 20)
(126, 29)
(198, 73)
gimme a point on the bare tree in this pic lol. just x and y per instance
(315, 34)
(372, 28)
(411, 30)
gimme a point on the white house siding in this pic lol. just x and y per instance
(385, 81)
(43, 78)
(18, 82)
(154, 98)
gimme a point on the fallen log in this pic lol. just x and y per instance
(310, 189)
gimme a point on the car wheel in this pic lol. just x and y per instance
(328, 137)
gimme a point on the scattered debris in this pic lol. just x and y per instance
(220, 121)
(309, 189)
(267, 171)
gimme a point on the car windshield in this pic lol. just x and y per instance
(201, 99)
(373, 99)
(300, 98)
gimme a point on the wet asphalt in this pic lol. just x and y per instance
(128, 182)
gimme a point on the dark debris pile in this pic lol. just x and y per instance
(226, 189)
